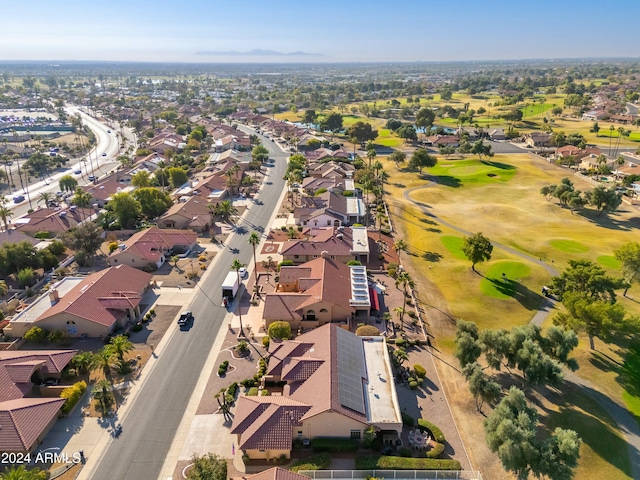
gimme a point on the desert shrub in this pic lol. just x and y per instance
(265, 342)
(334, 444)
(150, 267)
(436, 451)
(367, 331)
(279, 330)
(233, 388)
(203, 267)
(420, 371)
(253, 392)
(434, 431)
(36, 335)
(413, 384)
(152, 312)
(265, 393)
(72, 394)
(401, 342)
(320, 461)
(202, 258)
(411, 313)
(248, 382)
(59, 337)
(113, 246)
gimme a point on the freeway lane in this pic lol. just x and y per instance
(153, 418)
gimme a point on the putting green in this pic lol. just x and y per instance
(475, 171)
(568, 246)
(609, 261)
(454, 245)
(496, 285)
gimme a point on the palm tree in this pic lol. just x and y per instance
(82, 199)
(120, 345)
(269, 265)
(45, 197)
(103, 394)
(405, 280)
(237, 265)
(5, 213)
(226, 210)
(21, 473)
(254, 240)
(400, 246)
(103, 360)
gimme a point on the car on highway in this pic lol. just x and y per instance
(185, 318)
(242, 272)
(18, 198)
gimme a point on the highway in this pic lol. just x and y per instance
(98, 165)
(154, 416)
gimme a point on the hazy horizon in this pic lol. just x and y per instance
(332, 32)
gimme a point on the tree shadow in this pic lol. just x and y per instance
(428, 221)
(499, 165)
(446, 180)
(399, 185)
(527, 298)
(609, 220)
(432, 256)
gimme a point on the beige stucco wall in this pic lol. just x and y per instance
(130, 258)
(308, 258)
(266, 454)
(334, 313)
(329, 424)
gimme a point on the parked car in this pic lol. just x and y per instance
(18, 198)
(242, 272)
(49, 382)
(77, 171)
(92, 178)
(185, 318)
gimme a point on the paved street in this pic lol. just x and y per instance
(155, 413)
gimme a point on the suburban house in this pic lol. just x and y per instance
(152, 246)
(14, 236)
(165, 141)
(324, 169)
(102, 192)
(538, 139)
(336, 384)
(443, 141)
(575, 152)
(320, 291)
(192, 214)
(594, 115)
(94, 306)
(275, 473)
(323, 154)
(340, 243)
(497, 134)
(330, 208)
(54, 221)
(25, 421)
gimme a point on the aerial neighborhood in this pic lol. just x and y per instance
(332, 269)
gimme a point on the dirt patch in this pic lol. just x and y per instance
(153, 331)
(281, 236)
(380, 244)
(171, 275)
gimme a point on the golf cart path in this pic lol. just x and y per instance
(618, 412)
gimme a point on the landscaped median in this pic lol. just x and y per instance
(383, 462)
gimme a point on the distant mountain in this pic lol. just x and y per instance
(257, 52)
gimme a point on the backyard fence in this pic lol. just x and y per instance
(396, 474)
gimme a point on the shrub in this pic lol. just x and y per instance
(36, 335)
(381, 257)
(248, 382)
(420, 371)
(61, 272)
(320, 461)
(434, 431)
(25, 277)
(407, 420)
(203, 267)
(113, 246)
(436, 451)
(42, 235)
(265, 393)
(202, 258)
(411, 313)
(242, 347)
(347, 193)
(233, 388)
(404, 452)
(152, 312)
(401, 342)
(137, 327)
(279, 330)
(285, 263)
(265, 342)
(413, 384)
(253, 392)
(59, 337)
(56, 247)
(150, 267)
(72, 394)
(334, 444)
(367, 331)
(401, 463)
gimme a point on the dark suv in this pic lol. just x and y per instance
(185, 318)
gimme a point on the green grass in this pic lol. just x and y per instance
(609, 261)
(454, 246)
(456, 173)
(537, 109)
(495, 285)
(603, 450)
(568, 246)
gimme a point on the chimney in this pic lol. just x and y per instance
(324, 254)
(53, 296)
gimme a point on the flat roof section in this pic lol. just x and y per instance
(43, 303)
(383, 410)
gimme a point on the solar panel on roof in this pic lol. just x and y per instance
(351, 370)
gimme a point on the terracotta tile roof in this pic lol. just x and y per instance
(280, 351)
(152, 243)
(55, 360)
(283, 306)
(15, 236)
(275, 473)
(21, 372)
(194, 206)
(266, 423)
(23, 420)
(50, 220)
(92, 299)
(322, 239)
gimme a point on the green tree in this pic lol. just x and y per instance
(468, 348)
(141, 179)
(225, 210)
(4, 289)
(309, 116)
(104, 359)
(421, 160)
(103, 393)
(153, 202)
(119, 345)
(208, 467)
(36, 335)
(126, 209)
(260, 154)
(333, 122)
(596, 317)
(629, 256)
(254, 241)
(84, 240)
(477, 248)
(82, 361)
(362, 132)
(25, 277)
(68, 183)
(424, 119)
(559, 455)
(481, 386)
(20, 472)
(178, 176)
(588, 279)
(398, 157)
(280, 330)
(480, 149)
(5, 213)
(604, 199)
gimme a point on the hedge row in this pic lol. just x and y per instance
(321, 461)
(72, 394)
(333, 444)
(436, 451)
(402, 463)
(436, 433)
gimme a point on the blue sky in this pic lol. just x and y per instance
(347, 30)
